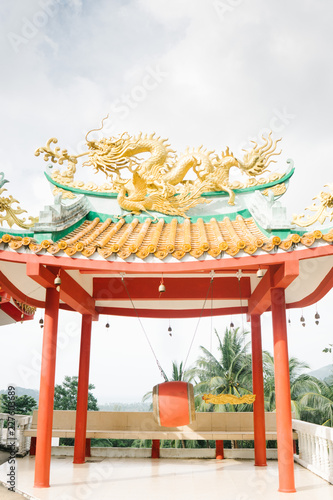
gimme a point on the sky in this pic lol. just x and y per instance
(214, 72)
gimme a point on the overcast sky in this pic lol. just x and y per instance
(208, 72)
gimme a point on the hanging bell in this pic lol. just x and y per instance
(289, 321)
(303, 324)
(260, 273)
(232, 325)
(170, 330)
(317, 315)
(41, 321)
(161, 288)
(302, 319)
(317, 322)
(107, 325)
(57, 283)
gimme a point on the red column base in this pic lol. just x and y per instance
(219, 453)
(33, 443)
(40, 485)
(78, 461)
(155, 448)
(286, 491)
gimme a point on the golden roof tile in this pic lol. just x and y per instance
(165, 238)
(328, 237)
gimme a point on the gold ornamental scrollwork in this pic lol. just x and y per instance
(322, 208)
(223, 399)
(10, 214)
(64, 193)
(155, 177)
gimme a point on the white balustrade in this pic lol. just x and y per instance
(315, 445)
(22, 443)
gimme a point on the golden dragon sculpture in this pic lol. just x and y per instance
(158, 183)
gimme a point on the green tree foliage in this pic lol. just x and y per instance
(300, 384)
(24, 405)
(177, 374)
(229, 373)
(318, 405)
(65, 395)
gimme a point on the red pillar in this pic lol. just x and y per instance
(88, 448)
(46, 391)
(82, 391)
(155, 448)
(32, 451)
(258, 390)
(219, 449)
(282, 393)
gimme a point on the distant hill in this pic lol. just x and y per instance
(125, 407)
(21, 391)
(323, 373)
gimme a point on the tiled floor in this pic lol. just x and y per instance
(163, 479)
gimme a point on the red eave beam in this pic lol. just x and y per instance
(70, 291)
(146, 288)
(15, 313)
(277, 276)
(14, 292)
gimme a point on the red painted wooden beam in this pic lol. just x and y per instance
(14, 292)
(279, 276)
(320, 292)
(41, 274)
(15, 313)
(70, 291)
(170, 313)
(176, 288)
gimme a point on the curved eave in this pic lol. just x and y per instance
(13, 311)
(313, 283)
(116, 239)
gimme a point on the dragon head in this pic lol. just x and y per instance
(256, 160)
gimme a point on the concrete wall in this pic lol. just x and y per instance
(182, 453)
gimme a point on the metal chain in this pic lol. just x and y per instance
(144, 331)
(240, 299)
(211, 318)
(196, 328)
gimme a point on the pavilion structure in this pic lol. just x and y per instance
(181, 219)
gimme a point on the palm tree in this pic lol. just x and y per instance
(229, 373)
(300, 384)
(318, 405)
(178, 374)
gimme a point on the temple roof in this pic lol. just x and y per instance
(110, 244)
(116, 237)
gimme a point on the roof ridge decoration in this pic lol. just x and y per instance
(320, 209)
(11, 213)
(158, 183)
